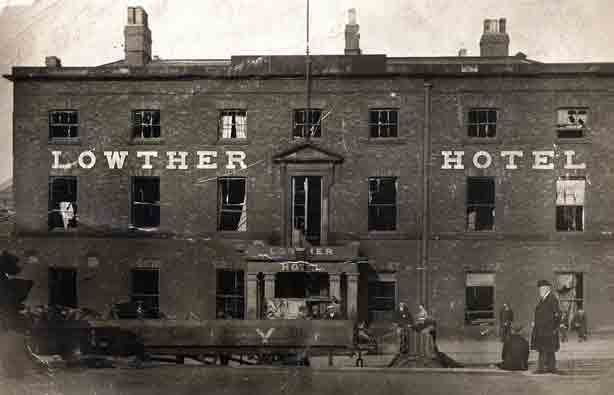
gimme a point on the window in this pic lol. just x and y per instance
(479, 298)
(63, 124)
(302, 285)
(307, 123)
(482, 123)
(233, 124)
(145, 286)
(145, 124)
(63, 287)
(307, 207)
(480, 204)
(382, 203)
(62, 209)
(383, 123)
(382, 300)
(232, 204)
(230, 299)
(145, 202)
(570, 204)
(570, 290)
(571, 122)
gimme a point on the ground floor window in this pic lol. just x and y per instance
(382, 300)
(570, 290)
(479, 298)
(145, 288)
(63, 287)
(229, 295)
(232, 204)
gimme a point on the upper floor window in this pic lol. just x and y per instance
(233, 124)
(145, 124)
(383, 123)
(63, 124)
(307, 123)
(570, 204)
(571, 122)
(232, 204)
(229, 295)
(62, 211)
(480, 203)
(145, 202)
(382, 203)
(482, 122)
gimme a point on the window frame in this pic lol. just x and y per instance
(577, 132)
(134, 296)
(232, 297)
(373, 227)
(574, 207)
(379, 125)
(234, 124)
(478, 123)
(58, 269)
(157, 203)
(74, 222)
(220, 205)
(303, 124)
(379, 314)
(68, 138)
(134, 125)
(467, 312)
(469, 205)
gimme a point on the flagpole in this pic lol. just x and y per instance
(307, 81)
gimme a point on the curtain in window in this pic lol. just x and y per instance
(570, 192)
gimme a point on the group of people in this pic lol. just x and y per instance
(548, 324)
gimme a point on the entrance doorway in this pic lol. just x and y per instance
(307, 207)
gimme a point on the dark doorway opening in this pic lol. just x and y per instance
(63, 287)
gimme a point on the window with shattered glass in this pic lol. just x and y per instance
(480, 204)
(232, 204)
(62, 208)
(382, 203)
(63, 124)
(145, 124)
(307, 123)
(570, 194)
(571, 122)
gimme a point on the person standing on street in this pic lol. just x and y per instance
(506, 318)
(515, 354)
(546, 330)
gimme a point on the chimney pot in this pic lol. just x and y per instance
(53, 62)
(502, 25)
(462, 52)
(352, 16)
(352, 37)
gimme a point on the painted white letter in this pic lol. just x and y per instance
(148, 155)
(569, 161)
(180, 158)
(541, 160)
(511, 156)
(115, 159)
(235, 156)
(476, 161)
(204, 159)
(56, 161)
(454, 158)
(92, 160)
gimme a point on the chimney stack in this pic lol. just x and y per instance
(352, 37)
(494, 41)
(53, 62)
(137, 38)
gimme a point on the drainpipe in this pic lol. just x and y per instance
(426, 221)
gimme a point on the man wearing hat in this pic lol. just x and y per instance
(546, 330)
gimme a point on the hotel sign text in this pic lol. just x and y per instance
(540, 160)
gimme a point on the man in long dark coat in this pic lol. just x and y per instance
(546, 329)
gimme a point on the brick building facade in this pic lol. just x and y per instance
(240, 207)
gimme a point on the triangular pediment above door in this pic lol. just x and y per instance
(307, 153)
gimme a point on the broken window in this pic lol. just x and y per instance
(145, 124)
(62, 209)
(480, 204)
(63, 124)
(479, 298)
(383, 123)
(570, 290)
(145, 288)
(571, 122)
(382, 300)
(63, 287)
(145, 202)
(307, 206)
(233, 124)
(570, 204)
(307, 123)
(482, 122)
(382, 203)
(232, 204)
(230, 299)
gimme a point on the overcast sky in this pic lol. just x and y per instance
(90, 32)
